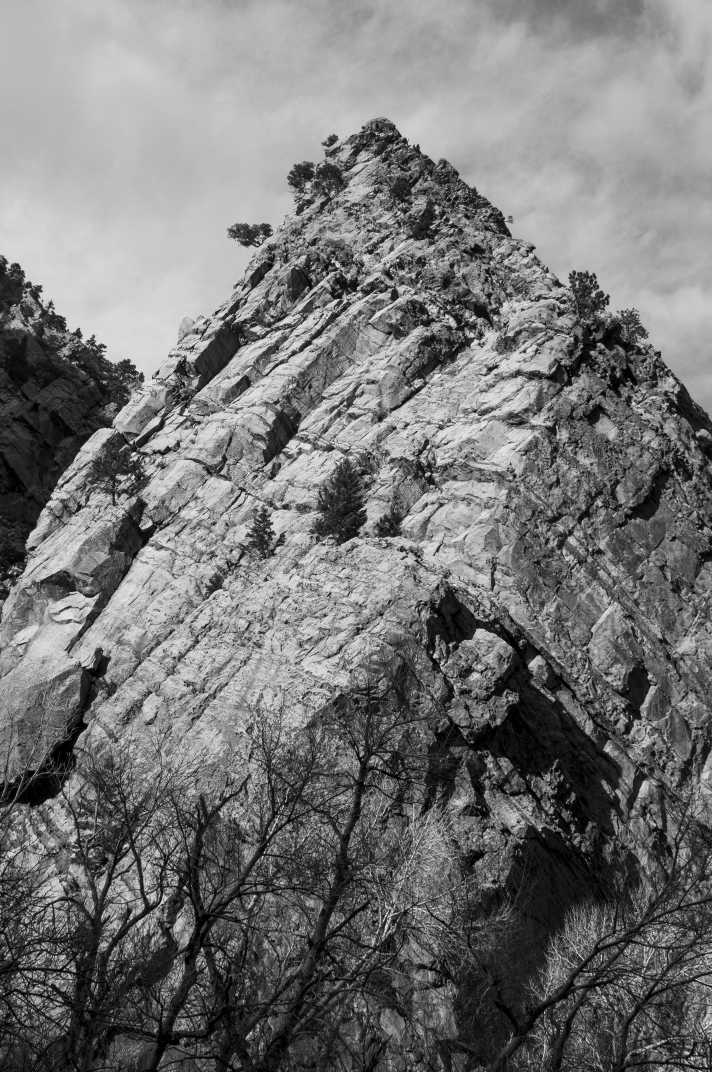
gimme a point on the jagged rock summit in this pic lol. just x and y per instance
(550, 582)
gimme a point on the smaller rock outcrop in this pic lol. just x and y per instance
(56, 389)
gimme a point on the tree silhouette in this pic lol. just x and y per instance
(589, 299)
(300, 175)
(400, 189)
(633, 330)
(250, 234)
(341, 504)
(390, 523)
(260, 536)
(116, 467)
(328, 179)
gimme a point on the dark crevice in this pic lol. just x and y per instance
(284, 427)
(637, 686)
(443, 764)
(450, 621)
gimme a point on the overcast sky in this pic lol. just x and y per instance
(135, 131)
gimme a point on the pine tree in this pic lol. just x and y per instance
(341, 504)
(633, 330)
(589, 299)
(260, 536)
(328, 179)
(400, 189)
(390, 524)
(300, 175)
(250, 234)
(115, 466)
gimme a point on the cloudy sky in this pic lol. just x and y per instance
(135, 131)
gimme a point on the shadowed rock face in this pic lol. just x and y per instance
(553, 575)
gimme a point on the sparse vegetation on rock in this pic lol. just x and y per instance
(250, 234)
(400, 189)
(330, 140)
(341, 509)
(117, 378)
(328, 179)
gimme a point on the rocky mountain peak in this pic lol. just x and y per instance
(545, 575)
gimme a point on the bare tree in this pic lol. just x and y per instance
(100, 868)
(117, 881)
(627, 984)
(304, 887)
(261, 920)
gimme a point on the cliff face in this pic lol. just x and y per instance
(55, 390)
(551, 582)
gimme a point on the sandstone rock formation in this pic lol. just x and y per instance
(55, 390)
(551, 581)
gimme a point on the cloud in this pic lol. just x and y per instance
(582, 18)
(146, 127)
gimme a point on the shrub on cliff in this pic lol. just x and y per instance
(633, 330)
(120, 379)
(116, 468)
(116, 379)
(328, 179)
(52, 319)
(400, 189)
(260, 535)
(250, 234)
(341, 504)
(589, 300)
(390, 523)
(330, 140)
(12, 282)
(300, 175)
